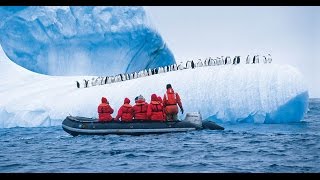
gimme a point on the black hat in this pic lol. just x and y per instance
(169, 86)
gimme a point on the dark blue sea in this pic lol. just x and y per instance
(241, 147)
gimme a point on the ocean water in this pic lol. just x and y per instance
(241, 147)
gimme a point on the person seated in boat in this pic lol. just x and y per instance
(125, 112)
(161, 102)
(170, 101)
(155, 110)
(140, 108)
(105, 110)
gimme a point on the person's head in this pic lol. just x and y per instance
(141, 98)
(104, 100)
(136, 99)
(154, 97)
(159, 99)
(126, 101)
(169, 86)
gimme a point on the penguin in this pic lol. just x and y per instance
(127, 76)
(92, 82)
(214, 62)
(106, 80)
(112, 79)
(226, 60)
(135, 75)
(206, 62)
(188, 64)
(257, 59)
(265, 59)
(156, 71)
(175, 67)
(86, 83)
(269, 58)
(168, 68)
(78, 84)
(180, 66)
(192, 64)
(254, 60)
(238, 59)
(102, 80)
(209, 62)
(247, 60)
(222, 60)
(199, 64)
(234, 60)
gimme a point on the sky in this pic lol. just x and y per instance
(290, 34)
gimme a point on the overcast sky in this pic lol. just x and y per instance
(290, 34)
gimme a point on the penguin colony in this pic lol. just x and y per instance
(95, 81)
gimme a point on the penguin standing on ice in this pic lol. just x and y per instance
(234, 60)
(248, 60)
(86, 82)
(106, 80)
(238, 59)
(256, 59)
(78, 84)
(269, 58)
(199, 64)
(265, 59)
(192, 64)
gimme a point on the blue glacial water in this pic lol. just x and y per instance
(241, 147)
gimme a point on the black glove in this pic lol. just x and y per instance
(182, 110)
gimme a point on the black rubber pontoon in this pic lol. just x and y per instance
(91, 126)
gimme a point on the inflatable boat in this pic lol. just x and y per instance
(91, 126)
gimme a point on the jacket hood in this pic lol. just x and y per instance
(104, 100)
(154, 97)
(126, 101)
(159, 99)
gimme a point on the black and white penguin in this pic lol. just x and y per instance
(257, 59)
(269, 58)
(247, 60)
(192, 64)
(78, 84)
(234, 60)
(265, 59)
(199, 64)
(238, 59)
(106, 80)
(86, 82)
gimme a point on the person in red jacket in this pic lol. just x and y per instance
(105, 110)
(140, 108)
(155, 110)
(161, 102)
(125, 112)
(170, 101)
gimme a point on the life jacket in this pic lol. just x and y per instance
(170, 101)
(127, 112)
(140, 110)
(105, 110)
(155, 111)
(171, 97)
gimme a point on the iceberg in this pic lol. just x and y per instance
(252, 93)
(93, 41)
